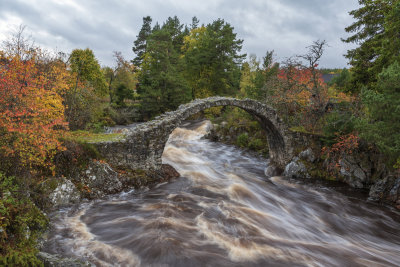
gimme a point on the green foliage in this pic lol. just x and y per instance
(212, 113)
(121, 81)
(257, 81)
(339, 122)
(242, 140)
(85, 66)
(84, 100)
(176, 64)
(242, 130)
(342, 81)
(391, 44)
(330, 71)
(140, 44)
(122, 92)
(381, 124)
(82, 107)
(256, 144)
(212, 58)
(376, 30)
(162, 85)
(21, 224)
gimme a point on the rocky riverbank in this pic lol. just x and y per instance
(99, 180)
(360, 170)
(364, 169)
(94, 180)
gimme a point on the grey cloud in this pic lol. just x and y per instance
(287, 26)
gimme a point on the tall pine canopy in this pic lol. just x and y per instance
(178, 63)
(212, 60)
(162, 85)
(139, 45)
(376, 30)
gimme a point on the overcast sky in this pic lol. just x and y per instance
(285, 26)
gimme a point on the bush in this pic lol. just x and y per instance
(256, 144)
(339, 122)
(381, 125)
(242, 140)
(21, 224)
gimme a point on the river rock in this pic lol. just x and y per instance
(307, 155)
(296, 169)
(394, 193)
(272, 170)
(353, 172)
(387, 189)
(101, 180)
(168, 172)
(65, 194)
(50, 260)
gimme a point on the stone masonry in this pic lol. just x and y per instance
(143, 145)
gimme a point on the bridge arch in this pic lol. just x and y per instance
(143, 146)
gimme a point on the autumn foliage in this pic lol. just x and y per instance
(31, 111)
(297, 86)
(345, 145)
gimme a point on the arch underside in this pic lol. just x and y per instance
(266, 116)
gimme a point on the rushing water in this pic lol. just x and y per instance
(224, 211)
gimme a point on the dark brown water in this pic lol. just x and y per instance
(224, 211)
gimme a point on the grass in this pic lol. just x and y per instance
(89, 137)
(301, 129)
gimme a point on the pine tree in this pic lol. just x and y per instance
(212, 59)
(139, 45)
(195, 23)
(382, 123)
(162, 85)
(376, 33)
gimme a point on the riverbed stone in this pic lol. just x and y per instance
(52, 260)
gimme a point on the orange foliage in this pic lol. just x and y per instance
(345, 145)
(31, 111)
(300, 84)
(301, 93)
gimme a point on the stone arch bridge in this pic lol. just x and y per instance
(143, 145)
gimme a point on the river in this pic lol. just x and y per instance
(224, 211)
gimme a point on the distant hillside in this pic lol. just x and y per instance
(329, 76)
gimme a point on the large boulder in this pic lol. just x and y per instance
(307, 155)
(296, 169)
(386, 189)
(100, 179)
(64, 194)
(355, 172)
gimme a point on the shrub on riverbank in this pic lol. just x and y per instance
(21, 224)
